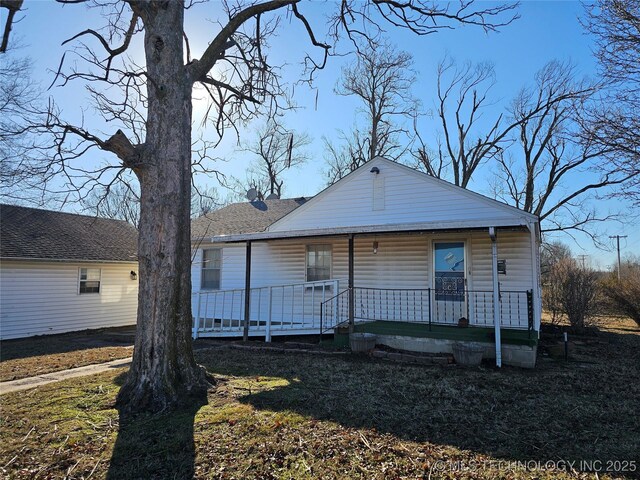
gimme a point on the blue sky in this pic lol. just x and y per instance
(545, 31)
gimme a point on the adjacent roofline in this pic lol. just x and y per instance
(65, 260)
(424, 176)
(458, 225)
(60, 212)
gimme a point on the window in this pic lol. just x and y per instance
(211, 262)
(318, 263)
(89, 280)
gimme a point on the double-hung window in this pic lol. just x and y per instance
(211, 267)
(89, 280)
(318, 263)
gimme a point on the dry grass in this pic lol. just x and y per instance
(35, 356)
(308, 416)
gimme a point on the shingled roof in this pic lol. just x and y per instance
(246, 217)
(32, 233)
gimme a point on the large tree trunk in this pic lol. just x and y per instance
(164, 373)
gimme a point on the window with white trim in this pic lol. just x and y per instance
(318, 263)
(211, 268)
(89, 281)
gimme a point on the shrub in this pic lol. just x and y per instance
(625, 293)
(573, 291)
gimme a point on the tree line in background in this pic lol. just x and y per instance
(559, 144)
(573, 291)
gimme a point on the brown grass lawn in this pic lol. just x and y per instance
(274, 415)
(29, 357)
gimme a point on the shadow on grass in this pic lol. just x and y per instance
(157, 446)
(571, 411)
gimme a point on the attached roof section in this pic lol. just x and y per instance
(30, 233)
(397, 196)
(242, 218)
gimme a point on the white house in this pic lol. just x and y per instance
(386, 249)
(61, 272)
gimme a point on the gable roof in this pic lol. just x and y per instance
(240, 218)
(31, 233)
(415, 198)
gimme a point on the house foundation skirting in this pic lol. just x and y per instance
(515, 355)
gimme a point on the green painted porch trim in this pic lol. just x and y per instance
(447, 332)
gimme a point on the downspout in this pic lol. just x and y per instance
(535, 268)
(496, 294)
(351, 282)
(247, 293)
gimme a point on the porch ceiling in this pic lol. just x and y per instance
(431, 227)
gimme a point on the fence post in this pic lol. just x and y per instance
(429, 296)
(529, 311)
(321, 308)
(335, 304)
(267, 336)
(196, 323)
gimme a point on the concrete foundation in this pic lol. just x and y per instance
(516, 355)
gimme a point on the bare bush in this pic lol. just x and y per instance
(624, 294)
(573, 291)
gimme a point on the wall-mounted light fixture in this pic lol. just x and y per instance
(375, 170)
(133, 275)
(375, 247)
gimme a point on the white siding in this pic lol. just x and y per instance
(39, 298)
(402, 262)
(408, 197)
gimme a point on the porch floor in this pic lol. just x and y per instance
(449, 332)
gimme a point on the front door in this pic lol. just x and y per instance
(449, 282)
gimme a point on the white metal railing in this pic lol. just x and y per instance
(272, 309)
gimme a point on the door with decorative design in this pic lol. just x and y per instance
(449, 282)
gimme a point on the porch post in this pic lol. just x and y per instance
(496, 294)
(351, 292)
(247, 293)
(535, 268)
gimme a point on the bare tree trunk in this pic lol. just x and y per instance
(164, 373)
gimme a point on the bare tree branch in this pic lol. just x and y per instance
(13, 6)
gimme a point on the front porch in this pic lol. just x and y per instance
(420, 278)
(422, 320)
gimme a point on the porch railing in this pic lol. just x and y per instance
(290, 308)
(430, 307)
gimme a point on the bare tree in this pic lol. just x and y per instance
(554, 170)
(381, 79)
(20, 106)
(463, 96)
(13, 7)
(121, 201)
(152, 105)
(615, 121)
(275, 149)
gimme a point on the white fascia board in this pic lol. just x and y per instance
(408, 227)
